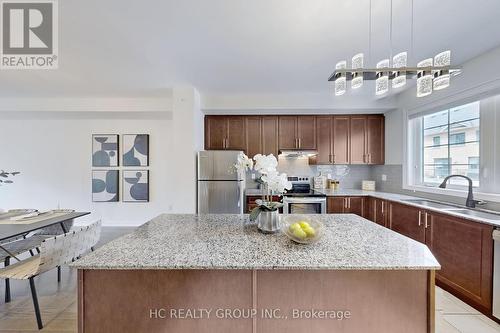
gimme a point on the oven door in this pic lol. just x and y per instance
(304, 205)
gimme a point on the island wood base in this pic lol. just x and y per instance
(378, 301)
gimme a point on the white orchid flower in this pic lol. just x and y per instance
(265, 164)
(243, 163)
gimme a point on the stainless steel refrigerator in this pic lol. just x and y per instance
(220, 187)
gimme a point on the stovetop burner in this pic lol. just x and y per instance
(301, 187)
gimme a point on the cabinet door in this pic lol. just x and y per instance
(355, 205)
(336, 205)
(324, 139)
(369, 209)
(407, 220)
(465, 251)
(375, 139)
(341, 126)
(236, 134)
(287, 132)
(253, 136)
(306, 132)
(270, 135)
(358, 140)
(215, 132)
(380, 208)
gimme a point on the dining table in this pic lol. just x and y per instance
(14, 228)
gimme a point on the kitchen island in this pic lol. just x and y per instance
(217, 273)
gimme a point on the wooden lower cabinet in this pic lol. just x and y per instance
(465, 251)
(250, 202)
(407, 220)
(345, 205)
(377, 210)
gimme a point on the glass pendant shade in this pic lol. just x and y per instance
(382, 81)
(341, 82)
(424, 79)
(442, 78)
(357, 77)
(399, 61)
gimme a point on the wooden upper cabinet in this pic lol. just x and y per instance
(269, 135)
(465, 251)
(225, 132)
(253, 135)
(341, 128)
(236, 133)
(324, 139)
(287, 132)
(215, 132)
(375, 139)
(408, 221)
(306, 132)
(358, 140)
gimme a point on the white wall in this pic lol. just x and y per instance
(53, 152)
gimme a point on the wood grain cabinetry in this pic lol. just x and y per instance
(332, 139)
(345, 205)
(465, 251)
(269, 135)
(297, 132)
(225, 132)
(367, 137)
(408, 221)
(338, 139)
(377, 210)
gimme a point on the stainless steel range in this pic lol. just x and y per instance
(301, 199)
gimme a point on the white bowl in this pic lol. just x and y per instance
(288, 220)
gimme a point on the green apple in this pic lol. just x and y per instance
(310, 232)
(304, 224)
(299, 233)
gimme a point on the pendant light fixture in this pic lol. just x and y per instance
(431, 74)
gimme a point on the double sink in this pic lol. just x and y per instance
(454, 209)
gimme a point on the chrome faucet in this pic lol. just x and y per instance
(470, 202)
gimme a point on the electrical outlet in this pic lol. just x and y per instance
(384, 178)
(253, 176)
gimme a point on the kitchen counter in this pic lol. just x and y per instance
(403, 199)
(350, 242)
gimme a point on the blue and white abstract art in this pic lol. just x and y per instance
(105, 185)
(135, 150)
(104, 150)
(135, 185)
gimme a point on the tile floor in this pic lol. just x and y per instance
(59, 307)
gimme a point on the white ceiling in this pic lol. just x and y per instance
(238, 47)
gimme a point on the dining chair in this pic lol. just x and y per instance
(55, 251)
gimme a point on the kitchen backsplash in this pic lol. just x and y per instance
(358, 173)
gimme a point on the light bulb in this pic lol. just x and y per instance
(357, 77)
(399, 61)
(442, 77)
(424, 79)
(382, 81)
(341, 82)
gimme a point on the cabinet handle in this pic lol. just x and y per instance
(349, 203)
(382, 208)
(299, 142)
(419, 218)
(369, 158)
(345, 202)
(426, 224)
(333, 158)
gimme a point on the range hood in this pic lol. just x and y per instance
(296, 153)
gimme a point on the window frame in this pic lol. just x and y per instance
(489, 120)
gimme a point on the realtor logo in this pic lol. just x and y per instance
(29, 34)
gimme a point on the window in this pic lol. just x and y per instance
(457, 138)
(451, 145)
(462, 140)
(473, 171)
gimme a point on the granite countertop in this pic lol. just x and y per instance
(228, 241)
(401, 198)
